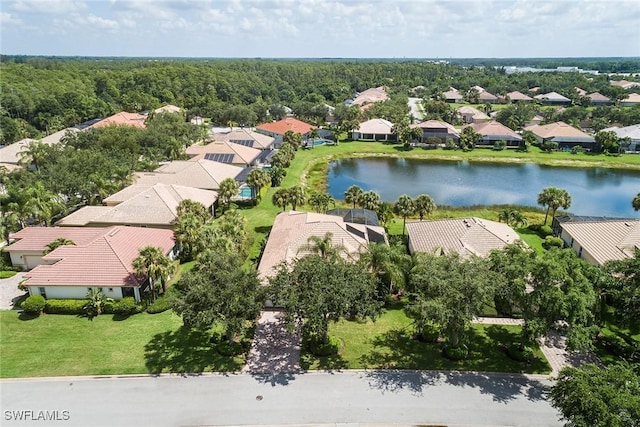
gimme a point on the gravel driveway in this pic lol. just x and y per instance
(9, 291)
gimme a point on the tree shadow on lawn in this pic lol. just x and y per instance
(405, 358)
(186, 351)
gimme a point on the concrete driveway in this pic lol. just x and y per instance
(9, 291)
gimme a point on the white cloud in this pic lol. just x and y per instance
(49, 6)
(9, 19)
(96, 21)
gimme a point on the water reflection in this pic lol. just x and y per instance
(595, 191)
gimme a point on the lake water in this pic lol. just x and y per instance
(594, 191)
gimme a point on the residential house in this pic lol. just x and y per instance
(598, 99)
(553, 98)
(103, 261)
(123, 119)
(536, 120)
(437, 129)
(374, 130)
(485, 97)
(279, 128)
(453, 96)
(246, 137)
(597, 239)
(154, 207)
(465, 236)
(624, 84)
(632, 132)
(493, 132)
(11, 155)
(516, 96)
(202, 173)
(565, 135)
(197, 120)
(225, 152)
(580, 91)
(291, 231)
(356, 216)
(369, 97)
(631, 100)
(168, 109)
(472, 115)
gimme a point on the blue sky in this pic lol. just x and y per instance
(321, 28)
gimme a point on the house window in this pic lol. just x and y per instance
(580, 253)
(42, 292)
(89, 289)
(110, 289)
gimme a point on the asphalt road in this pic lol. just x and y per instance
(415, 111)
(312, 398)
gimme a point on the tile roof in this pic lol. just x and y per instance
(559, 130)
(37, 238)
(202, 173)
(261, 141)
(625, 84)
(473, 112)
(168, 109)
(633, 131)
(103, 262)
(598, 97)
(83, 216)
(452, 94)
(289, 123)
(632, 98)
(241, 154)
(438, 125)
(552, 97)
(369, 96)
(495, 129)
(11, 153)
(376, 126)
(519, 96)
(605, 239)
(292, 230)
(486, 96)
(580, 91)
(466, 236)
(123, 119)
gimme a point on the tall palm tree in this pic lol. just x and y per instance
(297, 196)
(60, 241)
(553, 198)
(353, 194)
(425, 205)
(153, 265)
(281, 198)
(387, 264)
(229, 188)
(257, 179)
(404, 207)
(320, 202)
(370, 200)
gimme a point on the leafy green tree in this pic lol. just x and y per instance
(636, 202)
(257, 179)
(281, 198)
(608, 142)
(229, 188)
(347, 119)
(513, 265)
(320, 202)
(625, 292)
(591, 396)
(219, 290)
(553, 198)
(353, 194)
(384, 211)
(389, 266)
(549, 146)
(227, 233)
(449, 291)
(315, 291)
(425, 205)
(293, 138)
(370, 200)
(405, 207)
(468, 138)
(153, 265)
(60, 241)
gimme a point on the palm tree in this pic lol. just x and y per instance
(95, 303)
(387, 264)
(370, 200)
(385, 213)
(553, 198)
(322, 246)
(277, 174)
(519, 220)
(229, 188)
(353, 194)
(281, 198)
(60, 241)
(257, 179)
(425, 205)
(404, 207)
(297, 197)
(153, 265)
(636, 202)
(320, 202)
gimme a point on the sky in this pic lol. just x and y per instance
(321, 28)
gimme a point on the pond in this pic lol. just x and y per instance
(594, 191)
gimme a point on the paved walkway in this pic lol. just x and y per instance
(274, 349)
(9, 291)
(553, 346)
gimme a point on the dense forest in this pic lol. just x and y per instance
(41, 95)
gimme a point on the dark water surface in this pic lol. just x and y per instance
(594, 191)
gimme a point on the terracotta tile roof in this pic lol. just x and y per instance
(123, 119)
(558, 130)
(376, 126)
(495, 130)
(282, 126)
(605, 239)
(370, 96)
(261, 141)
(291, 231)
(241, 154)
(466, 236)
(103, 262)
(36, 238)
(519, 96)
(83, 216)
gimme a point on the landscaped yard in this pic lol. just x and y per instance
(387, 344)
(53, 345)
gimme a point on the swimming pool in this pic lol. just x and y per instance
(319, 141)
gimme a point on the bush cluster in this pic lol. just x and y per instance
(65, 306)
(552, 242)
(160, 305)
(430, 332)
(34, 304)
(520, 353)
(456, 353)
(321, 349)
(618, 346)
(225, 348)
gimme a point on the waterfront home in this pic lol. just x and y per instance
(565, 135)
(225, 152)
(279, 128)
(374, 130)
(437, 129)
(101, 258)
(247, 137)
(492, 132)
(632, 133)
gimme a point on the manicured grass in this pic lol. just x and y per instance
(531, 238)
(53, 345)
(611, 326)
(387, 344)
(5, 274)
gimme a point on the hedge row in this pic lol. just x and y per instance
(126, 306)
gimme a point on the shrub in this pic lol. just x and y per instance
(617, 345)
(545, 231)
(34, 304)
(456, 353)
(126, 306)
(430, 332)
(109, 307)
(552, 242)
(520, 353)
(160, 305)
(225, 348)
(321, 349)
(65, 306)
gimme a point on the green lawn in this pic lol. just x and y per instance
(387, 344)
(53, 345)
